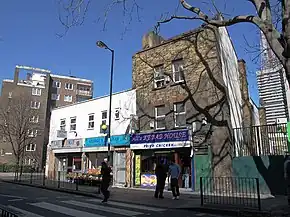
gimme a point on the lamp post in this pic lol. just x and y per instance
(103, 45)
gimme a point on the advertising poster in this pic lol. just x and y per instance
(148, 180)
(137, 169)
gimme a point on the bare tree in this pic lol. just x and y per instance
(18, 125)
(270, 15)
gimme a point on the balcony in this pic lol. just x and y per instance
(84, 93)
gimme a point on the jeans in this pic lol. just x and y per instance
(105, 191)
(174, 187)
(186, 180)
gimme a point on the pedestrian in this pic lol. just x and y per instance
(174, 173)
(106, 179)
(287, 176)
(161, 174)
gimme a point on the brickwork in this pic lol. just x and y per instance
(202, 90)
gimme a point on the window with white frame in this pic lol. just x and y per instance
(35, 105)
(67, 98)
(56, 84)
(177, 67)
(73, 124)
(62, 124)
(55, 96)
(91, 124)
(69, 86)
(159, 77)
(2, 152)
(160, 114)
(179, 114)
(117, 114)
(32, 133)
(104, 117)
(36, 91)
(29, 161)
(10, 95)
(34, 119)
(31, 147)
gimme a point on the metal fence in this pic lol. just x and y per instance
(39, 179)
(236, 192)
(6, 213)
(260, 140)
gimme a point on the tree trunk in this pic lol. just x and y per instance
(17, 168)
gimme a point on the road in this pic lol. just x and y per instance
(36, 202)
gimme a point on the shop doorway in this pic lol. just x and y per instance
(119, 168)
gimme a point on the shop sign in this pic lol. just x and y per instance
(158, 137)
(67, 143)
(161, 145)
(101, 141)
(137, 169)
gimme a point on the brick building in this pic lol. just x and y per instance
(44, 91)
(189, 97)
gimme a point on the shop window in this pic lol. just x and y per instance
(77, 164)
(73, 124)
(91, 125)
(160, 114)
(177, 67)
(179, 115)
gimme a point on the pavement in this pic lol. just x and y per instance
(35, 202)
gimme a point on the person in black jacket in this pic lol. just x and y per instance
(161, 174)
(106, 179)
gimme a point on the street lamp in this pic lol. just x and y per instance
(103, 45)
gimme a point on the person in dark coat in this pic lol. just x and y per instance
(161, 174)
(106, 179)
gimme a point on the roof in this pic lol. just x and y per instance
(71, 78)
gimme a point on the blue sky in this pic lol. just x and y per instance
(28, 36)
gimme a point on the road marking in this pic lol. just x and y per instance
(5, 195)
(103, 208)
(134, 206)
(64, 210)
(15, 200)
(29, 214)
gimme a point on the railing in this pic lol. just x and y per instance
(260, 140)
(235, 192)
(61, 182)
(6, 213)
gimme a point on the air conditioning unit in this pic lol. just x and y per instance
(151, 124)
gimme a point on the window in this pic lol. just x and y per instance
(69, 86)
(32, 133)
(2, 152)
(30, 161)
(35, 105)
(160, 117)
(179, 115)
(104, 117)
(62, 124)
(4, 139)
(56, 84)
(117, 114)
(36, 92)
(91, 121)
(73, 124)
(67, 98)
(159, 77)
(10, 95)
(177, 67)
(34, 119)
(31, 147)
(55, 96)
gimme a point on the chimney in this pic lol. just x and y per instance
(151, 39)
(16, 75)
(243, 80)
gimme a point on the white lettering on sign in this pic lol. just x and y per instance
(160, 145)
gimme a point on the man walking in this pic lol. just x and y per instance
(106, 179)
(161, 174)
(174, 173)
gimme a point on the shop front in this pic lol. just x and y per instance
(150, 148)
(96, 150)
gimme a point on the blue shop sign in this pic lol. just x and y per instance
(157, 137)
(120, 140)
